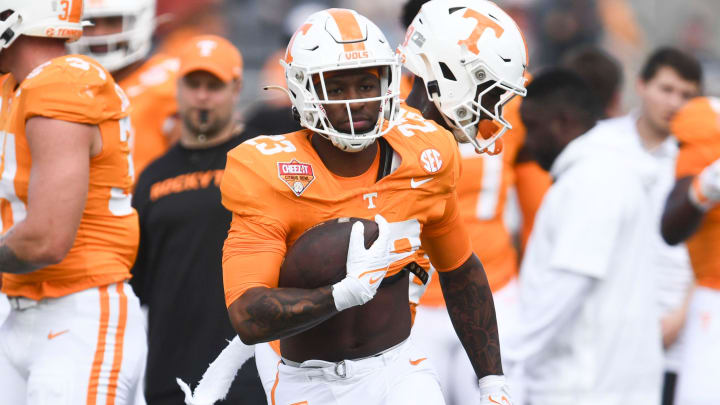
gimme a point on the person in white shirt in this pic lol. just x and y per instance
(589, 330)
(667, 81)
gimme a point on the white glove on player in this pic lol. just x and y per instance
(365, 267)
(494, 391)
(705, 188)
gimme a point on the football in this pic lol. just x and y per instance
(319, 255)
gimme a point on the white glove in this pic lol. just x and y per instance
(365, 267)
(705, 188)
(494, 390)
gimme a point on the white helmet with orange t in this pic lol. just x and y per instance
(39, 18)
(132, 43)
(332, 40)
(464, 50)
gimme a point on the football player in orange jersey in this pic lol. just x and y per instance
(120, 38)
(361, 155)
(453, 47)
(692, 214)
(75, 333)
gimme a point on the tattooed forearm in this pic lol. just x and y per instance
(9, 262)
(470, 305)
(265, 314)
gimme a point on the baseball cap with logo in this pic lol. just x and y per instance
(212, 54)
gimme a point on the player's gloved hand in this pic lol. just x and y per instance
(705, 188)
(494, 391)
(365, 267)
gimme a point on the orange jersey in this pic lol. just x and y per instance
(277, 187)
(151, 90)
(697, 127)
(74, 89)
(482, 191)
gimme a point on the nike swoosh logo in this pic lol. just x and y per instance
(416, 184)
(418, 361)
(375, 280)
(503, 399)
(54, 335)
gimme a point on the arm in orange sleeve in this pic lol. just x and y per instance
(259, 311)
(466, 290)
(447, 242)
(531, 183)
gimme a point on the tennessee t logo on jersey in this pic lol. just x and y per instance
(297, 175)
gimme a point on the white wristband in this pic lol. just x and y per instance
(491, 383)
(348, 292)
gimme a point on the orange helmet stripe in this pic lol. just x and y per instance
(288, 53)
(76, 11)
(349, 29)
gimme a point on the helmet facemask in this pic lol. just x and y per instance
(465, 119)
(131, 44)
(309, 90)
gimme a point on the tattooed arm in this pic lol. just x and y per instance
(472, 311)
(263, 314)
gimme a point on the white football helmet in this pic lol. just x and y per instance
(340, 39)
(131, 44)
(39, 18)
(456, 46)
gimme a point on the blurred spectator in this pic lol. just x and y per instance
(667, 81)
(601, 72)
(120, 39)
(182, 228)
(561, 25)
(582, 338)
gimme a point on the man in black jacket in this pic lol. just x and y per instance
(183, 225)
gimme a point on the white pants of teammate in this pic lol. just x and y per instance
(699, 375)
(401, 375)
(85, 348)
(434, 334)
(266, 361)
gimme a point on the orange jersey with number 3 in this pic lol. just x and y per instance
(697, 127)
(482, 191)
(151, 90)
(277, 187)
(74, 89)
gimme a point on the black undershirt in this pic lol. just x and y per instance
(178, 272)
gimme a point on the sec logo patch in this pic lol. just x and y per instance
(431, 160)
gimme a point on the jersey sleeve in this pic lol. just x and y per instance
(73, 89)
(697, 128)
(252, 255)
(447, 241)
(245, 189)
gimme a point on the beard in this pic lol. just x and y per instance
(209, 129)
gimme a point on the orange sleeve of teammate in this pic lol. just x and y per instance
(69, 93)
(252, 255)
(531, 182)
(447, 242)
(692, 159)
(697, 128)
